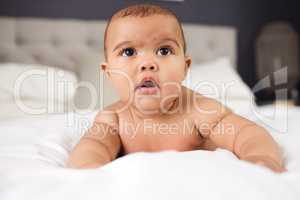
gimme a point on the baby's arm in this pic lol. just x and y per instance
(244, 138)
(99, 145)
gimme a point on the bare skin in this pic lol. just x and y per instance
(163, 115)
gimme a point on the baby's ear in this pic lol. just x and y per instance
(104, 66)
(188, 62)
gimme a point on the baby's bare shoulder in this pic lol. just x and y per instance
(109, 115)
(205, 107)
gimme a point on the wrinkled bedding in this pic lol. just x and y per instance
(33, 152)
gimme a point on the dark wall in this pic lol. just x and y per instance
(248, 16)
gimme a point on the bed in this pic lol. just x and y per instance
(36, 136)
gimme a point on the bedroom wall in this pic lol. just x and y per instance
(247, 16)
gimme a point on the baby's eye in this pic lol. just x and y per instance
(127, 52)
(164, 51)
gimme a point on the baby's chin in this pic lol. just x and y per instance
(147, 104)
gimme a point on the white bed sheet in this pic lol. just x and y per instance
(33, 153)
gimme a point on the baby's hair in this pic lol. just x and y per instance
(142, 10)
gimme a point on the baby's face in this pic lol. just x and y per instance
(146, 61)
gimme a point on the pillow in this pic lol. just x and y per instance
(49, 86)
(219, 80)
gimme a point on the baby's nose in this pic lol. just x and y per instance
(148, 66)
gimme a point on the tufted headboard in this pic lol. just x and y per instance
(60, 43)
(69, 43)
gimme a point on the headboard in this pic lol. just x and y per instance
(69, 43)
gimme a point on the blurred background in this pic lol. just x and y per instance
(267, 30)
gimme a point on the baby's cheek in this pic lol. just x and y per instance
(175, 74)
(178, 69)
(171, 85)
(123, 85)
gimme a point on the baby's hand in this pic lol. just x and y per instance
(265, 162)
(271, 166)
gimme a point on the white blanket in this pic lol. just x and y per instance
(33, 153)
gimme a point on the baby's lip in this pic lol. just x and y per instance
(145, 80)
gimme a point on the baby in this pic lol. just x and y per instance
(146, 61)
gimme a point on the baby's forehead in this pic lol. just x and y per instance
(163, 26)
(160, 21)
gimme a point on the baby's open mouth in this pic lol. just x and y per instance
(147, 86)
